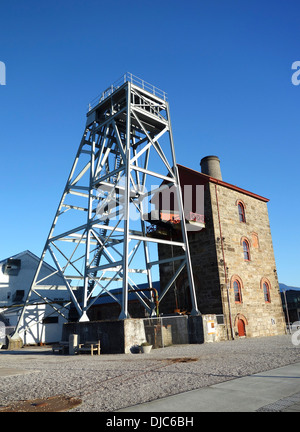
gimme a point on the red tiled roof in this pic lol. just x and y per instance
(208, 178)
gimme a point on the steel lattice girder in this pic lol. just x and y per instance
(119, 165)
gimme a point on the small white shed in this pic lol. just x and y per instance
(49, 306)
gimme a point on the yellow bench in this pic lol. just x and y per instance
(89, 347)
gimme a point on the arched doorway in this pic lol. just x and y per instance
(240, 322)
(241, 327)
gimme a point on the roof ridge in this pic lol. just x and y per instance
(225, 184)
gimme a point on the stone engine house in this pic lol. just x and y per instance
(232, 256)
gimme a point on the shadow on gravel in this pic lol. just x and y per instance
(26, 352)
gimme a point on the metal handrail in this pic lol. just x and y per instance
(128, 77)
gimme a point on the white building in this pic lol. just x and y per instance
(49, 305)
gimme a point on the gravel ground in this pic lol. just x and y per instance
(110, 382)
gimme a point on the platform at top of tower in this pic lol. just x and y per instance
(127, 77)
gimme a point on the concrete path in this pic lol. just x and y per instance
(274, 390)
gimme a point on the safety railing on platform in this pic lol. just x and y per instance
(134, 80)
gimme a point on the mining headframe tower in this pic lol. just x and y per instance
(99, 235)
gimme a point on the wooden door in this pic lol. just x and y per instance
(241, 327)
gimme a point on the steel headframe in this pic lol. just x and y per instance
(94, 238)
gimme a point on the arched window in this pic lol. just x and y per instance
(241, 210)
(246, 250)
(236, 285)
(237, 291)
(266, 289)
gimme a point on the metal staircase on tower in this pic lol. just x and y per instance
(98, 237)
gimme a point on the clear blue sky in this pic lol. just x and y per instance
(225, 64)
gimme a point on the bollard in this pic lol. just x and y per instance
(73, 343)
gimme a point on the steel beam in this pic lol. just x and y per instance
(117, 155)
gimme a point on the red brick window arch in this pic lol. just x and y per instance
(266, 286)
(254, 240)
(246, 248)
(241, 211)
(236, 286)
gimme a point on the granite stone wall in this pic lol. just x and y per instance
(260, 318)
(218, 260)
